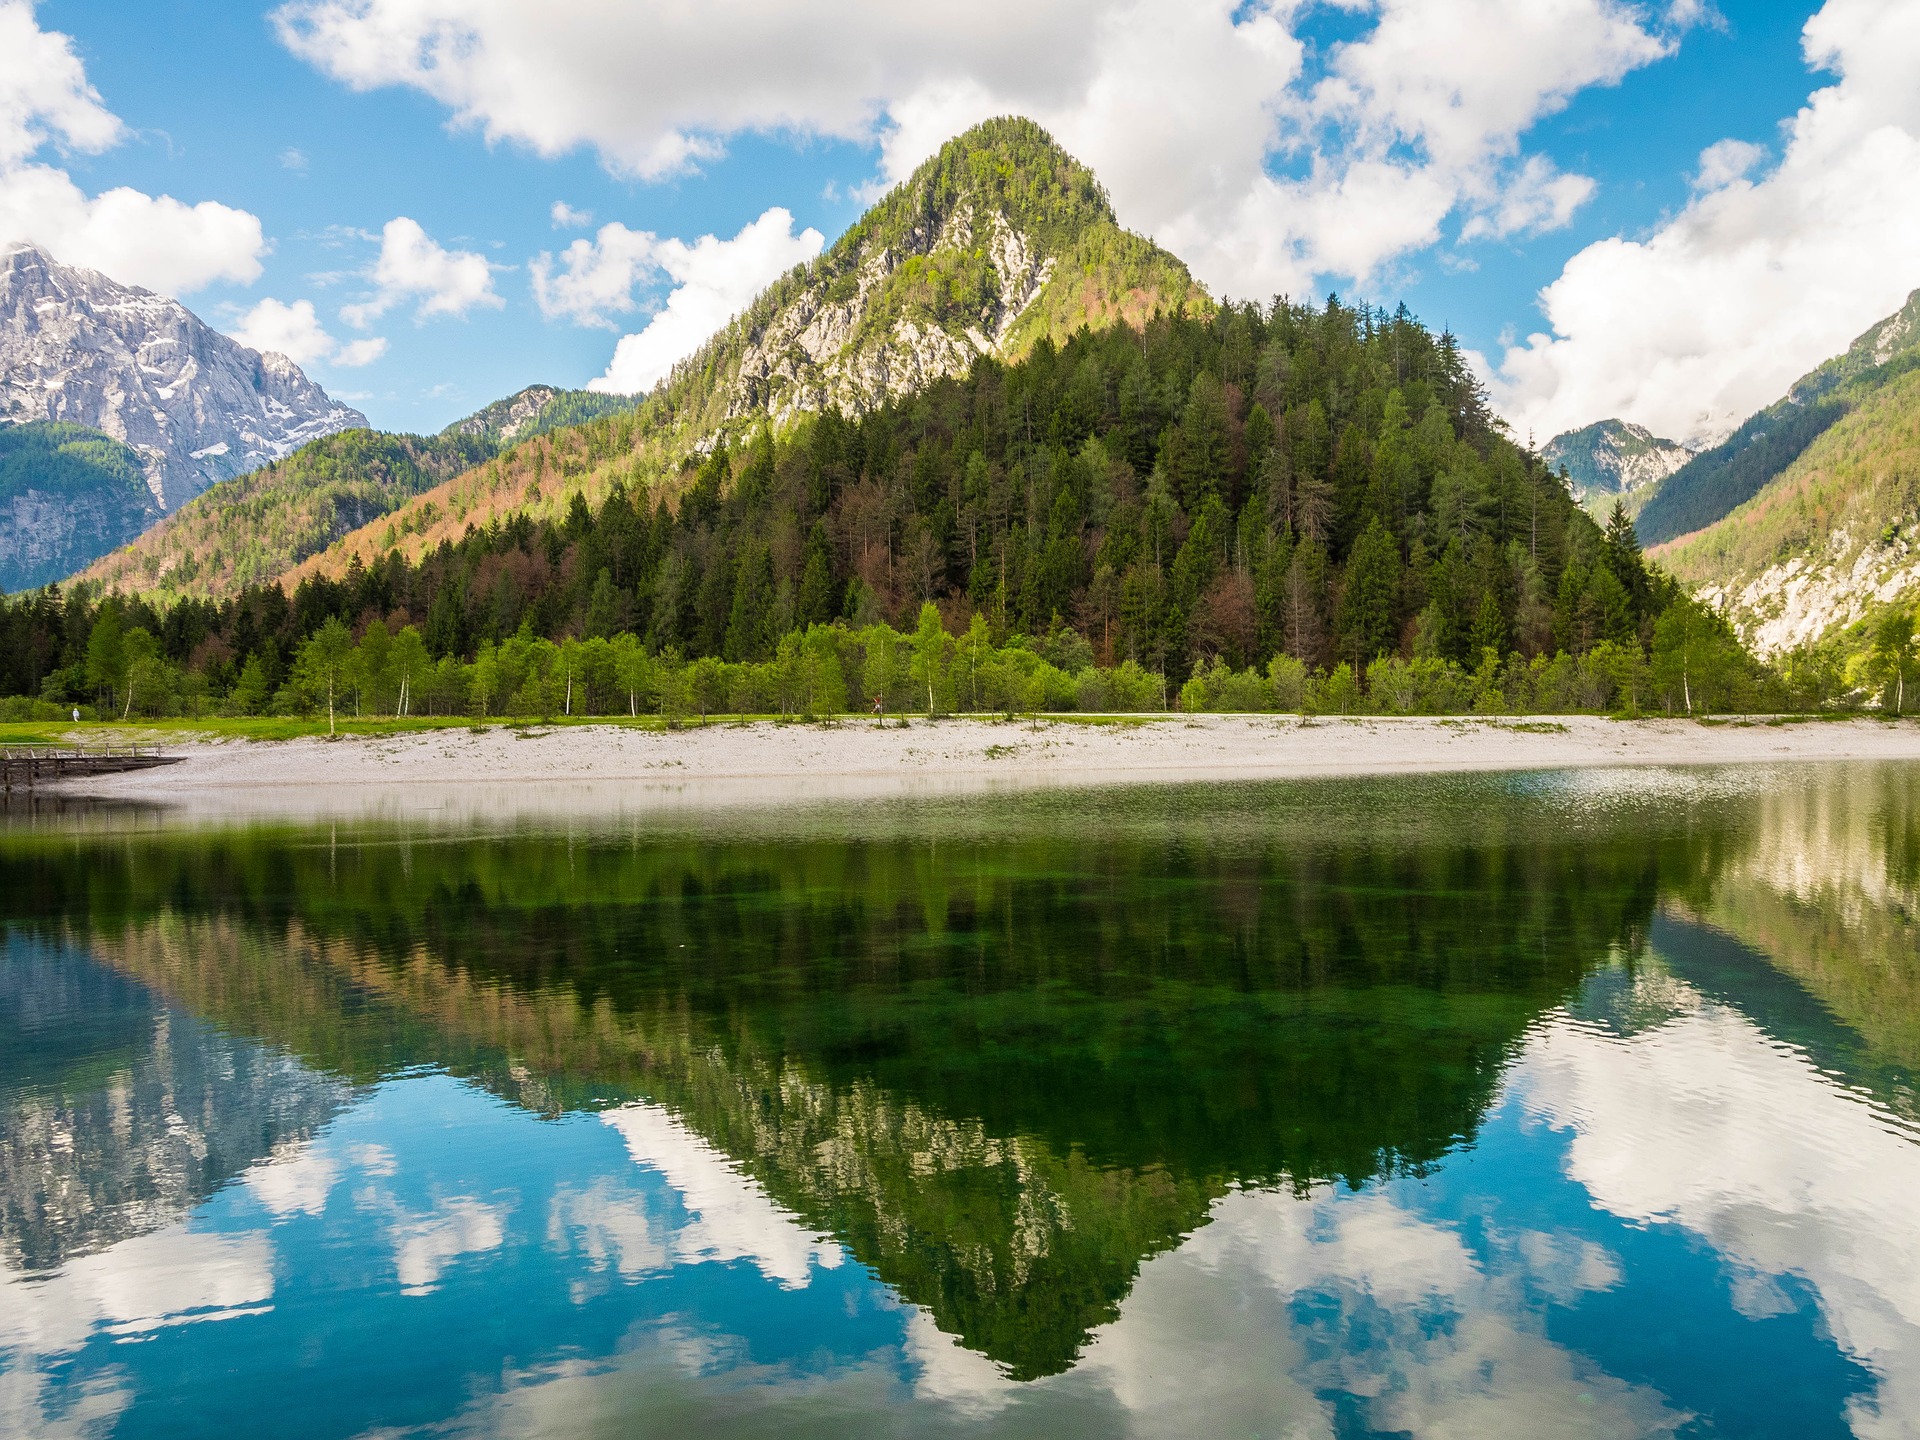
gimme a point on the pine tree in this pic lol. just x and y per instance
(1367, 621)
(1489, 633)
(603, 616)
(817, 590)
(747, 627)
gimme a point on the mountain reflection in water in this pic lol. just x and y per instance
(1570, 1104)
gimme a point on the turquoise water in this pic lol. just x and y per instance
(1568, 1104)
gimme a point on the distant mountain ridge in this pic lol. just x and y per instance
(1717, 481)
(198, 406)
(1613, 459)
(253, 528)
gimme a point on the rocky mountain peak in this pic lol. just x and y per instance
(1614, 458)
(197, 406)
(999, 239)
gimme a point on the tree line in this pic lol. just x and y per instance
(1313, 496)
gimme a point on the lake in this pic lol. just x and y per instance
(1569, 1103)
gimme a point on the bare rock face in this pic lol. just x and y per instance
(826, 348)
(197, 406)
(504, 420)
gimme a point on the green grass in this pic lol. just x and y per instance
(13, 733)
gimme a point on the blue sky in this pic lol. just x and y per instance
(328, 145)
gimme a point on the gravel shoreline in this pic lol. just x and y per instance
(600, 767)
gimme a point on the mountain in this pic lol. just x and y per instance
(1715, 482)
(1611, 460)
(1113, 469)
(1832, 537)
(65, 493)
(1000, 240)
(254, 528)
(197, 406)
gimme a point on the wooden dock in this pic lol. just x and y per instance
(24, 767)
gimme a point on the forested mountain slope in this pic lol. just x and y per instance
(1829, 541)
(1321, 481)
(66, 493)
(988, 416)
(1718, 480)
(253, 529)
(999, 240)
(1215, 508)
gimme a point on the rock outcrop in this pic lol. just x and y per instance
(818, 351)
(505, 420)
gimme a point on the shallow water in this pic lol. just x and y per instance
(1562, 1103)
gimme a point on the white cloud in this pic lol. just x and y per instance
(44, 92)
(296, 332)
(294, 160)
(295, 1180)
(148, 1282)
(1725, 162)
(714, 280)
(655, 87)
(139, 239)
(1540, 198)
(413, 267)
(293, 330)
(1710, 1125)
(155, 241)
(730, 1217)
(356, 353)
(565, 217)
(597, 276)
(1760, 277)
(426, 1245)
(1401, 130)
